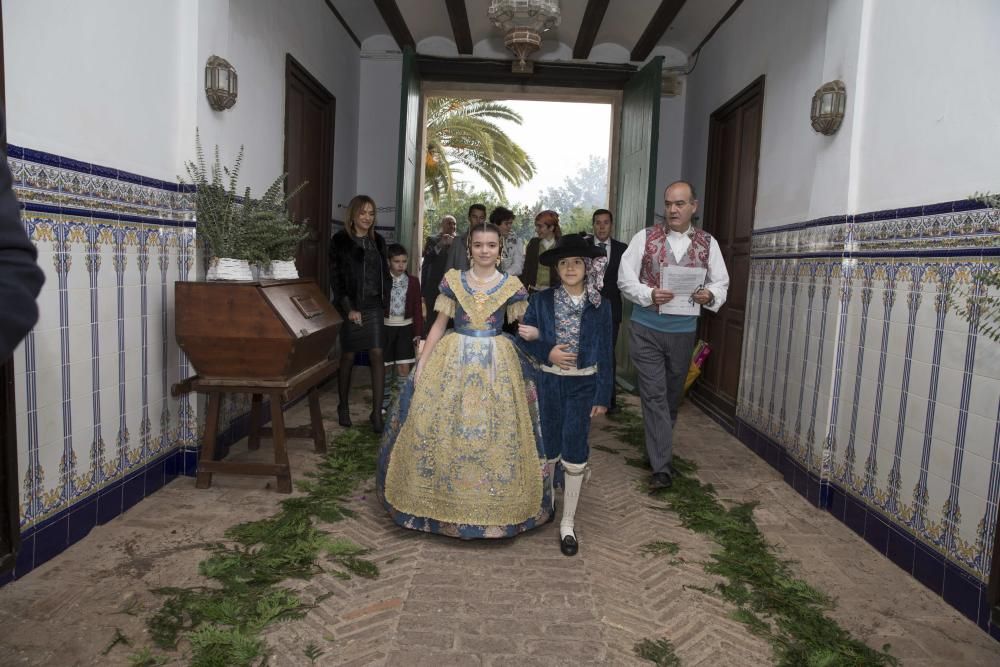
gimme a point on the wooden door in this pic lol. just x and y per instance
(309, 123)
(10, 513)
(410, 162)
(635, 196)
(729, 202)
(10, 516)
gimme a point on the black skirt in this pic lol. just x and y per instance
(365, 336)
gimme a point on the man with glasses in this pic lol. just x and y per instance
(661, 344)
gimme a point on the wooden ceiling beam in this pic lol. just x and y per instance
(715, 28)
(596, 76)
(350, 33)
(459, 18)
(394, 21)
(593, 15)
(662, 18)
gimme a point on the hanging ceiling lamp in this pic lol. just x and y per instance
(523, 22)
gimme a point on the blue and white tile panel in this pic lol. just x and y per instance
(92, 379)
(859, 363)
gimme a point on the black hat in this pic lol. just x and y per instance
(570, 245)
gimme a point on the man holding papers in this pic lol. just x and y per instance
(669, 271)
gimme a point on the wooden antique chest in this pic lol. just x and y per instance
(268, 339)
(266, 330)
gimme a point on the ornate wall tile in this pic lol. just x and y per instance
(87, 382)
(862, 366)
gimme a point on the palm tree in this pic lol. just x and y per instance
(462, 133)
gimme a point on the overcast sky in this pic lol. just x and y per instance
(559, 137)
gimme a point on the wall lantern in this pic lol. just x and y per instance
(828, 106)
(523, 22)
(220, 83)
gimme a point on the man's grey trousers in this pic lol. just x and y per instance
(661, 361)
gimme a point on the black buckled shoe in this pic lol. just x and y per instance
(660, 481)
(568, 545)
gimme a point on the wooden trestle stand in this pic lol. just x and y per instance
(268, 338)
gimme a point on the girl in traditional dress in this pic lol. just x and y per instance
(461, 455)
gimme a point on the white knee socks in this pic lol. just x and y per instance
(571, 496)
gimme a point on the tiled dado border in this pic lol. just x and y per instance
(952, 228)
(956, 229)
(958, 588)
(49, 183)
(50, 537)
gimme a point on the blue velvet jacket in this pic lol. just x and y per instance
(595, 338)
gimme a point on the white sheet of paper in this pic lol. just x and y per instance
(683, 281)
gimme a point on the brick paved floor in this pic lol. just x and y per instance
(442, 602)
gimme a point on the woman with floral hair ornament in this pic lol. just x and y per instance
(567, 329)
(461, 454)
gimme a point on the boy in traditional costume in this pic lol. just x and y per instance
(568, 330)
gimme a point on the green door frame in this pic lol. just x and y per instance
(638, 138)
(407, 175)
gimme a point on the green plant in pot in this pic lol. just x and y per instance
(273, 235)
(237, 231)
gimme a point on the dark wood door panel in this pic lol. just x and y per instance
(10, 511)
(310, 112)
(739, 274)
(730, 374)
(730, 201)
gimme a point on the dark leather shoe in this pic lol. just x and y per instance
(376, 419)
(568, 545)
(343, 416)
(660, 481)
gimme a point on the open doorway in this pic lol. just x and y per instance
(633, 95)
(543, 161)
(551, 154)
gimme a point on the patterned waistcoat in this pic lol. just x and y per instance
(657, 253)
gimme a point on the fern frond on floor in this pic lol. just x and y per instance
(223, 622)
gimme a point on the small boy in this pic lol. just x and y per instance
(404, 320)
(568, 329)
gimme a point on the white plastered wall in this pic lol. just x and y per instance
(785, 41)
(921, 124)
(378, 126)
(100, 81)
(930, 129)
(255, 36)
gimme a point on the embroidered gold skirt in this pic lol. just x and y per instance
(462, 452)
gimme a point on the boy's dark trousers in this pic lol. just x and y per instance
(565, 402)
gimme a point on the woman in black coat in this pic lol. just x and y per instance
(359, 273)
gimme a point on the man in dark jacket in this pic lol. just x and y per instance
(603, 222)
(20, 277)
(434, 266)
